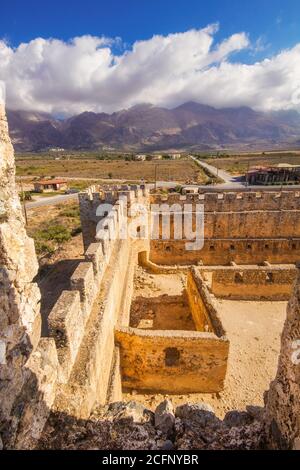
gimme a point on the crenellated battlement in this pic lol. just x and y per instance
(121, 197)
(235, 201)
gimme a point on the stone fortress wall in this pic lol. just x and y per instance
(79, 364)
(245, 227)
(83, 320)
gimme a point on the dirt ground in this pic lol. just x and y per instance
(253, 329)
(154, 298)
(171, 170)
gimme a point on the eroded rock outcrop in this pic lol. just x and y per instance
(283, 398)
(20, 321)
(129, 426)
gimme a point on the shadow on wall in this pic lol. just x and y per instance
(52, 280)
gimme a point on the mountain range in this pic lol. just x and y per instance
(146, 127)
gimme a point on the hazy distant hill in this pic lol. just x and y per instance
(146, 127)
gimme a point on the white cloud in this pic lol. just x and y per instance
(85, 74)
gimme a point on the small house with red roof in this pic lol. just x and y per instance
(50, 185)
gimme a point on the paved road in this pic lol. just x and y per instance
(50, 201)
(236, 183)
(230, 181)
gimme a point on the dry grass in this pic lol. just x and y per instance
(173, 170)
(53, 228)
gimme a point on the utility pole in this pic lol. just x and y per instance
(156, 176)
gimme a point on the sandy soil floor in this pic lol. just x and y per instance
(154, 298)
(253, 329)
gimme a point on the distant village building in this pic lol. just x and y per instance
(282, 173)
(49, 185)
(190, 190)
(140, 158)
(175, 156)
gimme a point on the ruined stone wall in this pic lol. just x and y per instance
(283, 397)
(223, 251)
(250, 225)
(83, 320)
(93, 197)
(28, 364)
(178, 361)
(78, 365)
(202, 309)
(235, 202)
(241, 227)
(260, 283)
(172, 361)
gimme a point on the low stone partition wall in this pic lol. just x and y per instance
(261, 283)
(172, 361)
(202, 305)
(144, 261)
(178, 361)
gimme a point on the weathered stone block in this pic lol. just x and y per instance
(38, 393)
(66, 326)
(94, 254)
(83, 280)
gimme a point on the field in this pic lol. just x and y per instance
(239, 164)
(173, 170)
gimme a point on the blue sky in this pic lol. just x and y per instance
(68, 57)
(275, 23)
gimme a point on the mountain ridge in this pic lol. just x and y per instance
(147, 127)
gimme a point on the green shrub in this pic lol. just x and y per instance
(43, 247)
(72, 212)
(57, 233)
